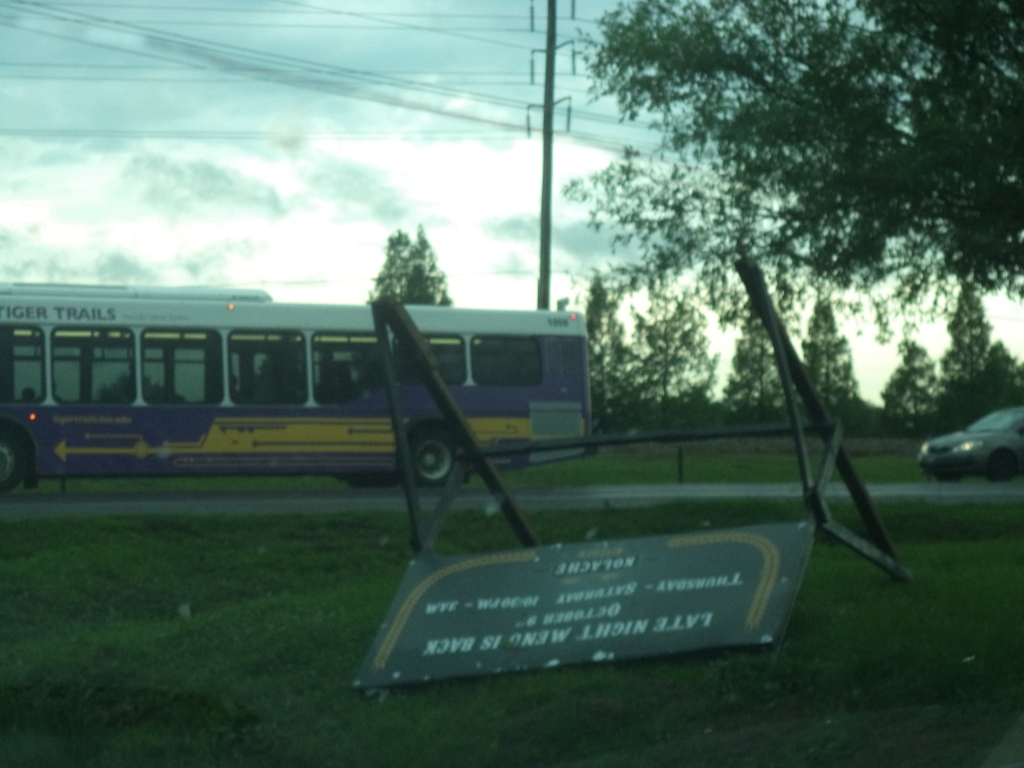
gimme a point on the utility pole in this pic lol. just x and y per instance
(544, 283)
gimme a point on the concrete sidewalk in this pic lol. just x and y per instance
(29, 505)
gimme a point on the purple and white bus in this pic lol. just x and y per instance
(114, 381)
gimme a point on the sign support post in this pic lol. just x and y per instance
(540, 607)
(879, 549)
(390, 314)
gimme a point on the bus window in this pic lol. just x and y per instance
(181, 367)
(21, 365)
(506, 361)
(566, 356)
(267, 367)
(450, 352)
(345, 367)
(93, 365)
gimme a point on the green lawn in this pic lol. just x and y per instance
(622, 469)
(606, 469)
(216, 641)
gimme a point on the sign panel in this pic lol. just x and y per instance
(588, 602)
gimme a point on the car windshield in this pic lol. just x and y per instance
(1000, 421)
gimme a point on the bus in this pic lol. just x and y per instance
(103, 381)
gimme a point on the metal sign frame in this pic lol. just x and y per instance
(391, 319)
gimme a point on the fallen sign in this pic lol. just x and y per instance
(586, 602)
(542, 607)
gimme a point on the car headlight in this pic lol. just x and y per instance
(969, 445)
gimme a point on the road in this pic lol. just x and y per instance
(36, 505)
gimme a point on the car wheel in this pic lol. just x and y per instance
(433, 456)
(948, 477)
(13, 461)
(1002, 466)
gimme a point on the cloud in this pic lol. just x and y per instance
(122, 269)
(521, 229)
(24, 258)
(514, 264)
(575, 241)
(27, 257)
(582, 242)
(9, 240)
(212, 265)
(359, 192)
(199, 187)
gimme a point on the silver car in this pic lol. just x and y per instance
(992, 446)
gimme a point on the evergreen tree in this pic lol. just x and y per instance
(909, 397)
(828, 360)
(410, 272)
(970, 337)
(962, 398)
(608, 354)
(674, 370)
(1002, 381)
(977, 376)
(829, 365)
(753, 392)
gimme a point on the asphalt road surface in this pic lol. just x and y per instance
(35, 505)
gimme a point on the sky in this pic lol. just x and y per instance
(276, 144)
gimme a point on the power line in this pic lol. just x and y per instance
(332, 280)
(183, 67)
(290, 136)
(261, 66)
(207, 79)
(258, 66)
(190, 134)
(215, 80)
(197, 43)
(213, 55)
(418, 27)
(310, 11)
(381, 26)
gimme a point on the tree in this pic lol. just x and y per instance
(977, 376)
(828, 360)
(829, 365)
(970, 335)
(753, 392)
(608, 355)
(674, 371)
(410, 272)
(962, 366)
(909, 396)
(1002, 383)
(860, 143)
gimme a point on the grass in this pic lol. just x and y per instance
(605, 469)
(215, 641)
(623, 469)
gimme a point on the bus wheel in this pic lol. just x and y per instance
(433, 456)
(13, 461)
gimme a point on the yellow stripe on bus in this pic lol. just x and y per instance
(248, 435)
